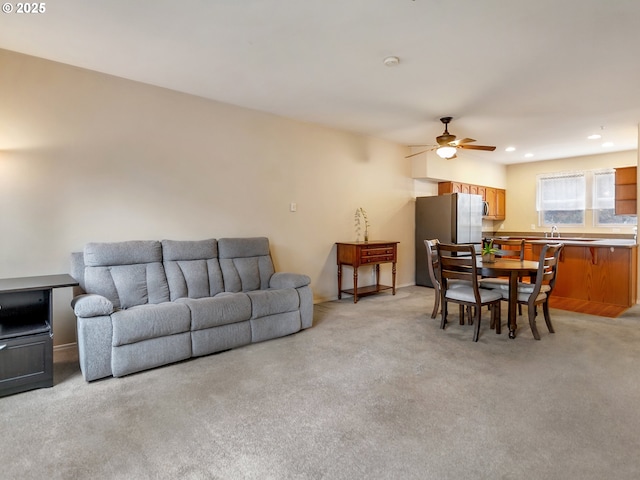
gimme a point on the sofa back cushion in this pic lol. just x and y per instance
(245, 263)
(192, 268)
(127, 273)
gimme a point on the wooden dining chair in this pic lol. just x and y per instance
(534, 294)
(458, 263)
(505, 248)
(433, 268)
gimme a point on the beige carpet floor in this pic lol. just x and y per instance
(375, 390)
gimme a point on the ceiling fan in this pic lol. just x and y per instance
(447, 143)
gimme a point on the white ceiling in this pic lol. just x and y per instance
(540, 75)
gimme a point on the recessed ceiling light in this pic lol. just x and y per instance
(391, 61)
(528, 155)
(607, 144)
(510, 149)
(595, 136)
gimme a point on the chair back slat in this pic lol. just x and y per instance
(547, 267)
(457, 262)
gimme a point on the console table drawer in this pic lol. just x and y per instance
(368, 252)
(378, 258)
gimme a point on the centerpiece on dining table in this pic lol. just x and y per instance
(488, 252)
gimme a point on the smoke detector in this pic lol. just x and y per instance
(391, 61)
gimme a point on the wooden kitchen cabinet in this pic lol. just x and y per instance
(495, 197)
(501, 204)
(626, 191)
(603, 275)
(453, 187)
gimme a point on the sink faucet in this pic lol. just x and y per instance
(554, 229)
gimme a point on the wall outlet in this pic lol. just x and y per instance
(533, 226)
(293, 207)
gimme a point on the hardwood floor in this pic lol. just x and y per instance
(585, 306)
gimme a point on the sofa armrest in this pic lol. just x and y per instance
(288, 280)
(91, 305)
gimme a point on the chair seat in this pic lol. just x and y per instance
(523, 297)
(493, 282)
(465, 294)
(522, 287)
(459, 283)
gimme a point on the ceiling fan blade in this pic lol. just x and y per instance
(462, 141)
(414, 154)
(478, 147)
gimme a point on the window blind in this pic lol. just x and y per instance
(561, 191)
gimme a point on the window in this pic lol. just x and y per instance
(561, 198)
(604, 191)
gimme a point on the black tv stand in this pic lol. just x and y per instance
(26, 331)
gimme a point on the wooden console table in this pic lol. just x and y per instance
(356, 254)
(26, 331)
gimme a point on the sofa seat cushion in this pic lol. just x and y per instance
(271, 302)
(222, 309)
(144, 322)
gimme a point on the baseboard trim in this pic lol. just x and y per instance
(65, 346)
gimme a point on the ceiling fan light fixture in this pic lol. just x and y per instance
(446, 152)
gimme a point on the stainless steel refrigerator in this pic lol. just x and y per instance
(451, 218)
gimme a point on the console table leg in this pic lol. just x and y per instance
(355, 284)
(393, 278)
(339, 281)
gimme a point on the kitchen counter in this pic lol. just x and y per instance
(595, 275)
(579, 241)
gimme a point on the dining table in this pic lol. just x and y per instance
(514, 269)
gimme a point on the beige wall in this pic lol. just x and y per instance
(90, 157)
(467, 167)
(521, 190)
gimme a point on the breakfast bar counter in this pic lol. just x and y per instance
(595, 275)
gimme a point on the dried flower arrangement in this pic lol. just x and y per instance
(361, 219)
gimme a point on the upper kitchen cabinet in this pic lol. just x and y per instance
(495, 197)
(453, 187)
(626, 191)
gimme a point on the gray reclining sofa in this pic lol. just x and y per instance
(142, 304)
